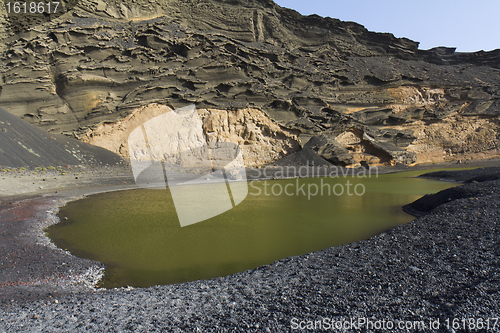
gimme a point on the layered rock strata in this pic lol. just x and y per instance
(262, 141)
(380, 98)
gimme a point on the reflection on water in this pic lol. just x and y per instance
(136, 233)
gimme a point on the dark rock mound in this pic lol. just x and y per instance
(23, 145)
(490, 177)
(304, 156)
(466, 176)
(428, 202)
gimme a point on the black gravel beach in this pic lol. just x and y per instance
(438, 273)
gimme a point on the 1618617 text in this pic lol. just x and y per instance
(31, 7)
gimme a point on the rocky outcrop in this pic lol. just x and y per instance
(330, 150)
(102, 61)
(262, 141)
(393, 152)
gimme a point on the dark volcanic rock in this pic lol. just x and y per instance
(429, 202)
(471, 189)
(396, 153)
(466, 176)
(376, 116)
(392, 151)
(23, 145)
(400, 138)
(305, 156)
(330, 150)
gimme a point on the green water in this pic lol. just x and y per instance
(137, 235)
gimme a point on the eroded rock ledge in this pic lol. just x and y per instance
(379, 98)
(262, 141)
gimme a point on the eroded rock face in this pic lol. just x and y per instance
(329, 149)
(114, 135)
(262, 140)
(103, 60)
(455, 138)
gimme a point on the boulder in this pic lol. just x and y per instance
(399, 138)
(378, 116)
(329, 149)
(397, 154)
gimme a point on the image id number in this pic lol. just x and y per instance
(31, 7)
(472, 324)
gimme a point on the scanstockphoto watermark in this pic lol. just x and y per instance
(348, 183)
(342, 324)
(361, 324)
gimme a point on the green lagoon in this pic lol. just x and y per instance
(137, 234)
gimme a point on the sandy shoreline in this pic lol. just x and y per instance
(33, 267)
(36, 273)
(17, 185)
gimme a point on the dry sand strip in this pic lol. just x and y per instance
(443, 266)
(17, 184)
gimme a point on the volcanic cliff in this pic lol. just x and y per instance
(260, 75)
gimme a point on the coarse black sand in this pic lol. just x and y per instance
(444, 266)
